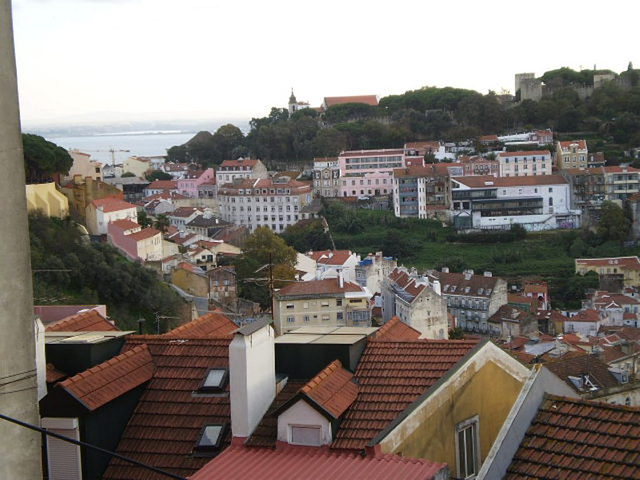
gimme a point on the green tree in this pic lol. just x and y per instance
(158, 175)
(143, 219)
(267, 261)
(613, 224)
(43, 159)
(308, 235)
(162, 223)
(128, 175)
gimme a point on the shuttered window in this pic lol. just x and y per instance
(63, 458)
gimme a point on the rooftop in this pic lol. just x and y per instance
(368, 99)
(330, 257)
(481, 181)
(396, 329)
(212, 325)
(391, 376)
(333, 389)
(328, 286)
(89, 321)
(573, 439)
(584, 373)
(111, 204)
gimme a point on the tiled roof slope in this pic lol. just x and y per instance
(212, 325)
(266, 433)
(396, 329)
(332, 389)
(330, 257)
(572, 439)
(289, 462)
(169, 418)
(89, 321)
(597, 370)
(391, 376)
(105, 382)
(328, 286)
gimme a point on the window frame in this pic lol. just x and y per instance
(210, 449)
(472, 423)
(222, 384)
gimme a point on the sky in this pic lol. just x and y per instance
(126, 60)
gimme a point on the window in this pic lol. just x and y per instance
(339, 302)
(291, 320)
(305, 435)
(305, 318)
(211, 438)
(467, 448)
(290, 306)
(215, 381)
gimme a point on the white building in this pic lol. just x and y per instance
(99, 213)
(525, 163)
(241, 168)
(326, 177)
(535, 202)
(273, 203)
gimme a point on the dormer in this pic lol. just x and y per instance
(312, 416)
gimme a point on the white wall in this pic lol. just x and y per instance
(302, 414)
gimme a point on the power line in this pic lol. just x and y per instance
(88, 445)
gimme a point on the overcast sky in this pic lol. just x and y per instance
(181, 59)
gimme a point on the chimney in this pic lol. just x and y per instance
(341, 277)
(252, 375)
(436, 287)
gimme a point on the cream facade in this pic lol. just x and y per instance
(525, 163)
(83, 166)
(46, 198)
(572, 154)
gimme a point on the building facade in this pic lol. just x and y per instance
(572, 154)
(241, 168)
(326, 177)
(525, 163)
(369, 172)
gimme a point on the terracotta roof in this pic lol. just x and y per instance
(509, 313)
(483, 181)
(367, 99)
(145, 233)
(328, 286)
(163, 185)
(332, 389)
(431, 145)
(430, 170)
(105, 382)
(53, 374)
(573, 439)
(624, 262)
(183, 212)
(89, 321)
(248, 184)
(582, 145)
(239, 163)
(372, 153)
(597, 370)
(524, 153)
(391, 376)
(589, 316)
(125, 224)
(212, 325)
(266, 433)
(330, 257)
(111, 204)
(289, 462)
(396, 329)
(169, 418)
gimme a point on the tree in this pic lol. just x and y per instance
(128, 175)
(43, 159)
(162, 223)
(613, 224)
(158, 175)
(266, 263)
(307, 235)
(143, 219)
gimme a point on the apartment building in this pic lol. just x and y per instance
(241, 168)
(472, 299)
(326, 177)
(536, 202)
(329, 302)
(369, 172)
(423, 191)
(270, 202)
(572, 154)
(525, 163)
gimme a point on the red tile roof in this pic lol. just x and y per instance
(597, 370)
(111, 204)
(213, 325)
(145, 234)
(289, 462)
(162, 185)
(53, 374)
(396, 329)
(588, 316)
(572, 439)
(169, 418)
(89, 321)
(392, 375)
(466, 285)
(581, 144)
(367, 99)
(372, 153)
(125, 224)
(330, 257)
(525, 153)
(105, 382)
(332, 389)
(624, 262)
(239, 163)
(317, 287)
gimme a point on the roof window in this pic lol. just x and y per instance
(211, 438)
(215, 381)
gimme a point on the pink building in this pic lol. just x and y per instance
(369, 172)
(188, 186)
(135, 242)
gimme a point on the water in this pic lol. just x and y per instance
(144, 144)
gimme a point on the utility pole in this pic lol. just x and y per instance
(21, 448)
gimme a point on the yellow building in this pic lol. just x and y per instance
(46, 198)
(626, 267)
(572, 154)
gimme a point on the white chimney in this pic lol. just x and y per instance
(252, 375)
(341, 277)
(436, 287)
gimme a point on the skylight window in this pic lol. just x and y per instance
(215, 381)
(211, 438)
